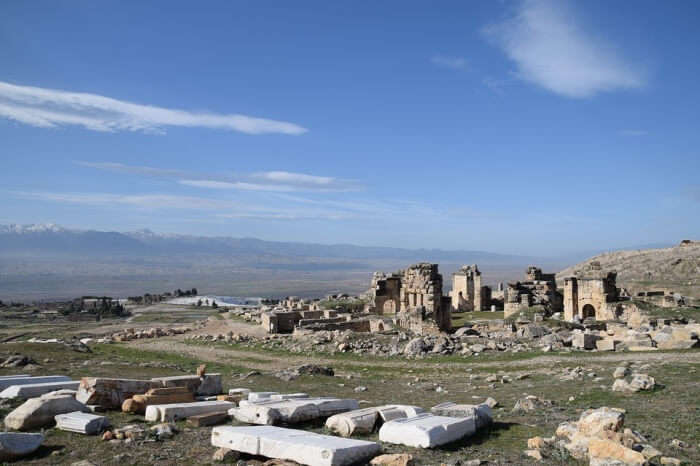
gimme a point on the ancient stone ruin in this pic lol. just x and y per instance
(538, 289)
(592, 294)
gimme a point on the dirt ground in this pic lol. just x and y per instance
(669, 412)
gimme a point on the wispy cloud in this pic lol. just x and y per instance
(551, 50)
(280, 207)
(48, 108)
(454, 63)
(273, 181)
(633, 132)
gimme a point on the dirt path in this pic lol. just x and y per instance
(264, 361)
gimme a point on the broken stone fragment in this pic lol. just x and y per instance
(397, 459)
(40, 412)
(364, 421)
(14, 445)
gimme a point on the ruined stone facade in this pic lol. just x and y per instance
(593, 293)
(467, 293)
(538, 289)
(413, 296)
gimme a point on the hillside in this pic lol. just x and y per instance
(673, 269)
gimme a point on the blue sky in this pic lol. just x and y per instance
(529, 127)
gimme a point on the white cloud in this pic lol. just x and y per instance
(454, 63)
(273, 181)
(48, 108)
(296, 178)
(222, 208)
(551, 51)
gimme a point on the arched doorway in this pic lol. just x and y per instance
(588, 311)
(380, 327)
(389, 307)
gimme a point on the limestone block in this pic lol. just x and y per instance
(365, 420)
(290, 411)
(15, 445)
(208, 385)
(260, 396)
(427, 430)
(177, 411)
(289, 396)
(36, 389)
(243, 392)
(157, 396)
(82, 423)
(584, 340)
(482, 413)
(110, 393)
(25, 380)
(605, 344)
(210, 419)
(294, 445)
(40, 412)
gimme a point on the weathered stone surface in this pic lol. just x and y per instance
(482, 412)
(530, 403)
(260, 396)
(208, 385)
(110, 393)
(225, 455)
(40, 412)
(605, 344)
(594, 422)
(397, 459)
(82, 423)
(290, 411)
(15, 445)
(36, 389)
(621, 372)
(289, 444)
(157, 396)
(584, 341)
(367, 419)
(25, 380)
(210, 419)
(177, 411)
(289, 396)
(603, 451)
(426, 430)
(164, 430)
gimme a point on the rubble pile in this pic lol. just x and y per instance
(600, 437)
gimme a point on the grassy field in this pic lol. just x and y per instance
(667, 413)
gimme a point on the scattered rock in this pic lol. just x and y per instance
(224, 455)
(531, 403)
(398, 459)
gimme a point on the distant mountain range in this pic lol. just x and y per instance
(55, 240)
(50, 262)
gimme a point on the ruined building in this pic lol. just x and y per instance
(592, 293)
(467, 293)
(413, 297)
(538, 289)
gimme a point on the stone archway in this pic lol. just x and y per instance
(588, 311)
(389, 307)
(380, 327)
